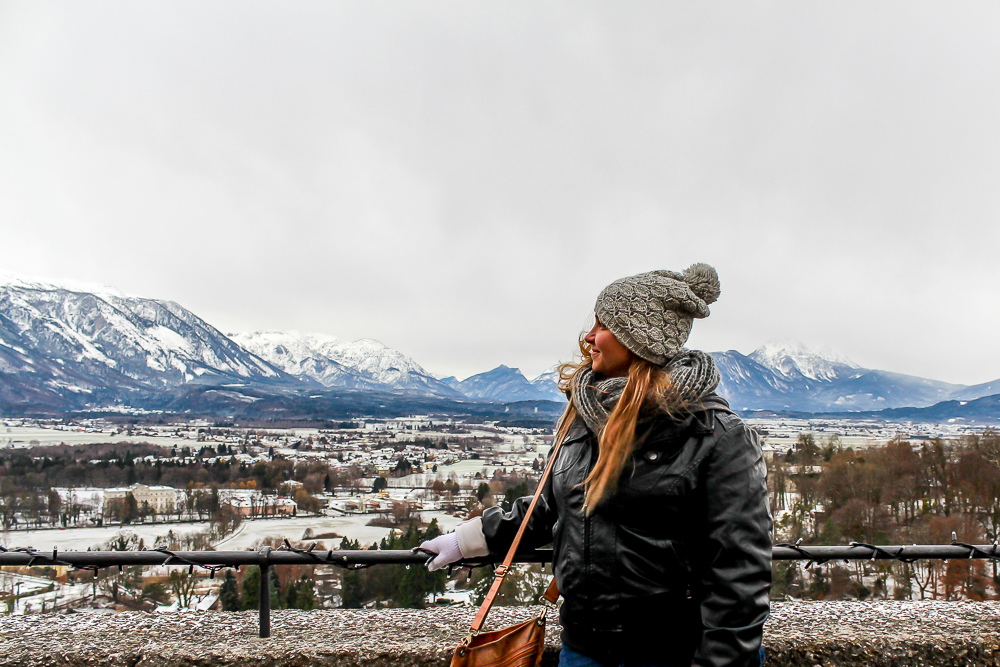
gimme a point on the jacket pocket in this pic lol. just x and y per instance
(651, 473)
(651, 565)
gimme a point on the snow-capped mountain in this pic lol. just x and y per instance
(794, 360)
(505, 384)
(360, 364)
(788, 376)
(548, 383)
(57, 340)
(777, 376)
(747, 383)
(66, 348)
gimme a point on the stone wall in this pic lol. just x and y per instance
(799, 634)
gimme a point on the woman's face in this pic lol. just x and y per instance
(610, 358)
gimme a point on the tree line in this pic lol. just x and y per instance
(905, 492)
(28, 479)
(392, 586)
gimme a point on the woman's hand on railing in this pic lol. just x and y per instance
(445, 549)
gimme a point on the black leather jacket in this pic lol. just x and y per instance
(676, 565)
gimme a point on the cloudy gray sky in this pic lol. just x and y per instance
(460, 179)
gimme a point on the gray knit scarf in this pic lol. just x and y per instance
(693, 375)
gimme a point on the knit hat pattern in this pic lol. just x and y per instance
(651, 313)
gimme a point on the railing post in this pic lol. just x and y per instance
(265, 593)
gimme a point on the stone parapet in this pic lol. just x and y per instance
(798, 634)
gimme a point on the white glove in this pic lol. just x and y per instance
(446, 548)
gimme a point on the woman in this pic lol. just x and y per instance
(657, 506)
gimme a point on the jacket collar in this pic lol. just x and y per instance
(700, 421)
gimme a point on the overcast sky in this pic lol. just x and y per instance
(460, 179)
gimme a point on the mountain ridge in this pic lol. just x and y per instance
(984, 410)
(504, 383)
(362, 364)
(811, 382)
(56, 342)
(63, 348)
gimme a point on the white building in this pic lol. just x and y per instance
(159, 498)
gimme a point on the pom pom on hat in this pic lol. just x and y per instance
(703, 281)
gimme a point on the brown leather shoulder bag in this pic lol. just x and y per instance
(519, 645)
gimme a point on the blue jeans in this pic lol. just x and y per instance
(570, 658)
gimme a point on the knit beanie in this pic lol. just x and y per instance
(651, 314)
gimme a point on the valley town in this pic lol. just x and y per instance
(134, 483)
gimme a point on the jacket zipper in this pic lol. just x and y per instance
(586, 520)
(586, 544)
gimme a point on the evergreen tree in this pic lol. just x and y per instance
(352, 593)
(417, 582)
(129, 509)
(229, 593)
(481, 492)
(300, 594)
(306, 599)
(275, 589)
(250, 588)
(519, 490)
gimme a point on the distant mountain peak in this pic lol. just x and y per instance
(504, 383)
(793, 348)
(362, 364)
(63, 338)
(502, 369)
(30, 283)
(550, 374)
(791, 358)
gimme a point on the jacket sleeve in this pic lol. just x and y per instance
(500, 527)
(734, 582)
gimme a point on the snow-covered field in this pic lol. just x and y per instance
(27, 436)
(353, 527)
(79, 539)
(464, 469)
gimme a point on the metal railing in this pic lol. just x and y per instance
(266, 558)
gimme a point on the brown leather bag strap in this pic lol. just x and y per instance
(501, 571)
(551, 594)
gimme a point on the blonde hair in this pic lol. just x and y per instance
(647, 384)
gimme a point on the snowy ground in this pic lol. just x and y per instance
(79, 539)
(27, 436)
(353, 527)
(36, 593)
(465, 469)
(832, 634)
